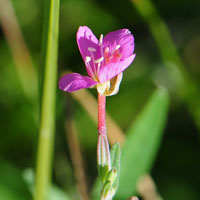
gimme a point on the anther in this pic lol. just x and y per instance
(99, 60)
(91, 49)
(87, 59)
(101, 39)
(118, 46)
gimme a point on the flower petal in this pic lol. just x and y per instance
(111, 70)
(85, 39)
(89, 48)
(121, 38)
(74, 81)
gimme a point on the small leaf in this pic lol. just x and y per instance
(112, 175)
(115, 156)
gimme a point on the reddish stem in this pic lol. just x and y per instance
(103, 150)
(101, 114)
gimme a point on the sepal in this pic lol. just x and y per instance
(103, 157)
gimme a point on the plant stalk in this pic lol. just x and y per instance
(101, 115)
(47, 116)
(103, 150)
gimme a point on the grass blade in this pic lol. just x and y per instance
(47, 121)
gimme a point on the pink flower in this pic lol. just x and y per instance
(105, 60)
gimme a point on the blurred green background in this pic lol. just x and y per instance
(175, 169)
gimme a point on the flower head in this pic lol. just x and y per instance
(105, 60)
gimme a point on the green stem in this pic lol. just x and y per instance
(47, 120)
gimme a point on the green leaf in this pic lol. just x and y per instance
(142, 143)
(115, 156)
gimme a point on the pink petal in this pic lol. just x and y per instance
(111, 70)
(122, 37)
(74, 81)
(86, 39)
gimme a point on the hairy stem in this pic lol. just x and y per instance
(101, 114)
(103, 150)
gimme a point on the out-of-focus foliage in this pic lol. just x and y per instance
(143, 141)
(55, 193)
(176, 167)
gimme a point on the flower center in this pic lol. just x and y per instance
(100, 56)
(113, 56)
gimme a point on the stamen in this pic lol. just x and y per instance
(91, 49)
(99, 63)
(98, 67)
(101, 39)
(92, 57)
(118, 46)
(89, 68)
(99, 60)
(87, 59)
